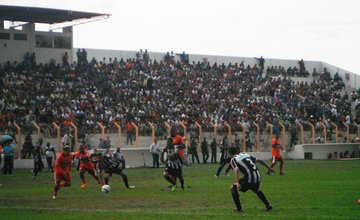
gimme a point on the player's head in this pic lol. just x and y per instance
(48, 144)
(66, 149)
(6, 140)
(232, 151)
(81, 149)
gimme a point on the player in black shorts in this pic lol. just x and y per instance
(109, 165)
(225, 157)
(245, 164)
(173, 165)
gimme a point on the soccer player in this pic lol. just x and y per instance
(37, 154)
(245, 164)
(62, 170)
(109, 165)
(173, 170)
(95, 158)
(225, 157)
(86, 166)
(275, 153)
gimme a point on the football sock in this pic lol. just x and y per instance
(182, 182)
(219, 170)
(227, 170)
(82, 176)
(236, 197)
(125, 179)
(106, 179)
(169, 179)
(262, 197)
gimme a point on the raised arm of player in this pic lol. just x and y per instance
(270, 170)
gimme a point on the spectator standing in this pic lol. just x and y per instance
(27, 147)
(66, 140)
(130, 128)
(8, 151)
(155, 152)
(213, 147)
(193, 151)
(205, 150)
(50, 154)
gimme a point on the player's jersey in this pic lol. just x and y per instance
(174, 161)
(179, 142)
(275, 147)
(106, 163)
(94, 157)
(119, 159)
(84, 157)
(63, 163)
(225, 153)
(247, 167)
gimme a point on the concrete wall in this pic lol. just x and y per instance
(321, 151)
(14, 50)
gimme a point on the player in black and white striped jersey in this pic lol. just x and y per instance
(225, 157)
(173, 165)
(245, 164)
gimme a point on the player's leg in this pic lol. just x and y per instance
(168, 177)
(236, 197)
(228, 169)
(93, 174)
(124, 177)
(272, 164)
(82, 177)
(261, 196)
(222, 164)
(280, 159)
(106, 177)
(178, 173)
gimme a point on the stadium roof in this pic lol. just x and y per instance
(44, 15)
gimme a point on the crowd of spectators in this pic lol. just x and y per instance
(142, 90)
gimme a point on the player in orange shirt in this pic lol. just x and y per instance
(179, 145)
(86, 166)
(62, 170)
(275, 153)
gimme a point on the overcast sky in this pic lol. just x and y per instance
(321, 30)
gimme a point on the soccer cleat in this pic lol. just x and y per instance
(173, 188)
(216, 176)
(54, 197)
(238, 211)
(281, 174)
(131, 187)
(268, 208)
(83, 186)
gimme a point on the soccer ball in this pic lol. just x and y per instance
(105, 189)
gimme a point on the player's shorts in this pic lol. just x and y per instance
(245, 185)
(86, 167)
(276, 158)
(224, 160)
(174, 172)
(62, 176)
(275, 152)
(115, 170)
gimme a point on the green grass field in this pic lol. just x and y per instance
(309, 190)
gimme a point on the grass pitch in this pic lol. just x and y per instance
(308, 190)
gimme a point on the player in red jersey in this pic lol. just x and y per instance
(86, 166)
(275, 153)
(62, 170)
(179, 145)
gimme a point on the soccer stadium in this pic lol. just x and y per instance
(189, 135)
